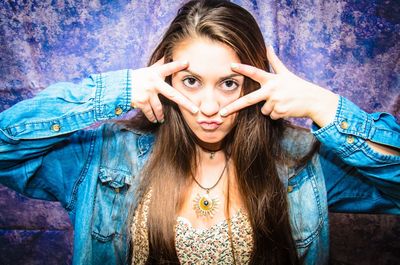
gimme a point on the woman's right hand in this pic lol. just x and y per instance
(149, 82)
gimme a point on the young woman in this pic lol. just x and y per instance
(207, 171)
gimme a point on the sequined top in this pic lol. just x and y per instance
(198, 246)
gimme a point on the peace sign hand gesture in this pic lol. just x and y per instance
(148, 82)
(285, 94)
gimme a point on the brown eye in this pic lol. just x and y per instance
(229, 85)
(191, 82)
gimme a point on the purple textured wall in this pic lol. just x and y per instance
(350, 47)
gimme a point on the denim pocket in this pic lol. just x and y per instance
(305, 208)
(109, 213)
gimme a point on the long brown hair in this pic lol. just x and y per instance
(253, 144)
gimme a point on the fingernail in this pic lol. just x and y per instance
(234, 66)
(162, 121)
(184, 63)
(195, 110)
(154, 121)
(223, 112)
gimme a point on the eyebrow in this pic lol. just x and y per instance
(219, 80)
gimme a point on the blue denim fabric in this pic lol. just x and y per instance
(94, 173)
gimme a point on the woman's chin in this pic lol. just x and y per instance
(210, 138)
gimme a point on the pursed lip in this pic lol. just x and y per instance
(209, 124)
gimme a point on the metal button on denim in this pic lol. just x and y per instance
(344, 125)
(118, 111)
(56, 127)
(350, 139)
(289, 189)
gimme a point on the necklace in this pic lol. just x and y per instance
(212, 153)
(211, 148)
(204, 205)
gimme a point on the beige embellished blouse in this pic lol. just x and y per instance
(197, 246)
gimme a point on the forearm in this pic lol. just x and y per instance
(31, 128)
(324, 112)
(385, 150)
(348, 135)
(66, 107)
(352, 127)
(42, 140)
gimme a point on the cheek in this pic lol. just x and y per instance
(187, 116)
(181, 89)
(231, 121)
(227, 98)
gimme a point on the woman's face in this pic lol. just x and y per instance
(208, 82)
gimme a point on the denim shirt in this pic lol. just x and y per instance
(45, 153)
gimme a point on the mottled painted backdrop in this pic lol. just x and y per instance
(350, 47)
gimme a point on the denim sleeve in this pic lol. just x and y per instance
(43, 148)
(358, 178)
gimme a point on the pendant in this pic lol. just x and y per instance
(205, 205)
(212, 155)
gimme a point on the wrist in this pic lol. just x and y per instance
(323, 109)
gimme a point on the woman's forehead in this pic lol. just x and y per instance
(206, 56)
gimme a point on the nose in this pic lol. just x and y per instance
(209, 105)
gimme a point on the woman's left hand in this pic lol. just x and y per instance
(285, 94)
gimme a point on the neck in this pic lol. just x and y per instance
(206, 167)
(209, 149)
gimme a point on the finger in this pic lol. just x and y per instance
(252, 98)
(281, 109)
(254, 73)
(275, 62)
(148, 112)
(245, 101)
(159, 62)
(267, 107)
(172, 67)
(174, 95)
(157, 108)
(274, 115)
